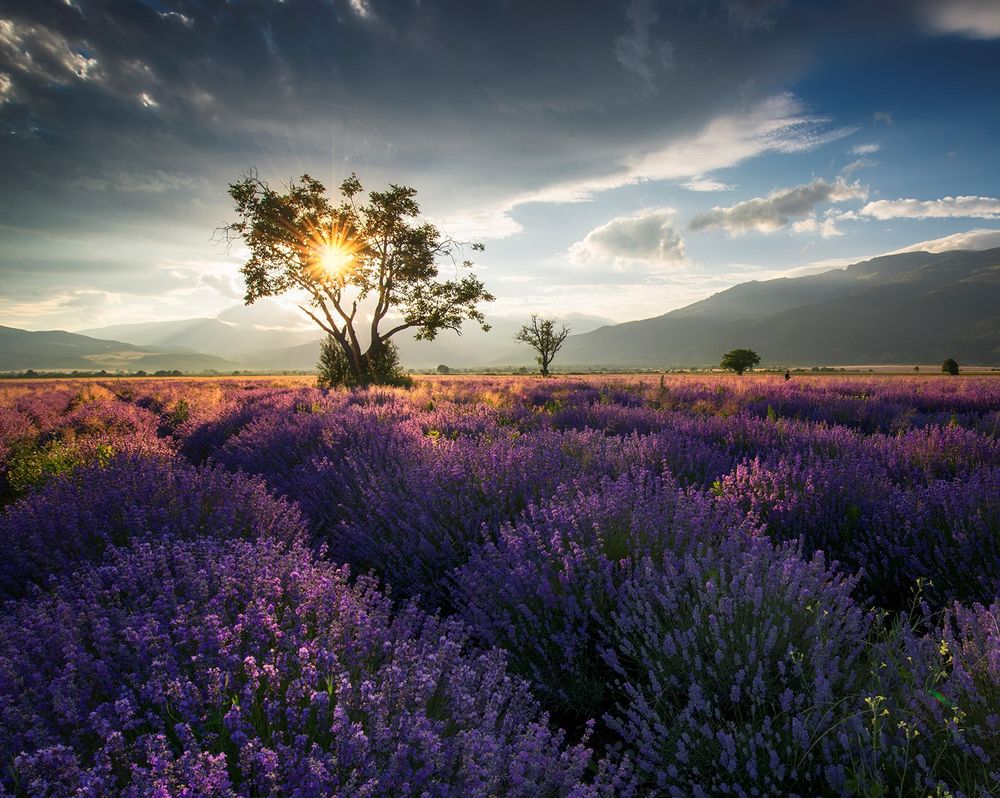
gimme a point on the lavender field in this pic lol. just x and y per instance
(678, 586)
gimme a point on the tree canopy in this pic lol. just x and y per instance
(740, 360)
(370, 255)
(950, 366)
(545, 338)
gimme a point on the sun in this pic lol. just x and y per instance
(331, 254)
(334, 259)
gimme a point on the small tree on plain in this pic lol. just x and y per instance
(950, 366)
(443, 369)
(545, 338)
(740, 360)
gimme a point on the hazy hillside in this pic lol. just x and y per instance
(56, 350)
(909, 307)
(914, 306)
(238, 333)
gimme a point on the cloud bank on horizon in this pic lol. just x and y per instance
(620, 159)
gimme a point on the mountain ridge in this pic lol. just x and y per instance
(825, 318)
(897, 308)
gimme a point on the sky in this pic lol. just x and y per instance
(617, 159)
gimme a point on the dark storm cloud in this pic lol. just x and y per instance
(122, 121)
(96, 88)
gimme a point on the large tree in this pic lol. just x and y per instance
(364, 254)
(545, 338)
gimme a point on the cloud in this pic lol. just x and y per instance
(865, 149)
(944, 208)
(130, 181)
(882, 117)
(41, 53)
(646, 238)
(974, 19)
(777, 124)
(750, 14)
(54, 309)
(224, 284)
(978, 239)
(860, 163)
(779, 208)
(700, 183)
(827, 228)
(638, 51)
(361, 8)
(475, 225)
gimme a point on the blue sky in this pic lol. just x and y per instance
(619, 160)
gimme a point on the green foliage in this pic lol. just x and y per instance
(359, 253)
(179, 413)
(545, 338)
(381, 367)
(950, 366)
(30, 465)
(929, 709)
(740, 360)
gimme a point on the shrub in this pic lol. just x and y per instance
(335, 370)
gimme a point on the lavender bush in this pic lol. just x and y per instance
(738, 667)
(79, 518)
(547, 587)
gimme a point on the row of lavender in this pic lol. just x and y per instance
(743, 587)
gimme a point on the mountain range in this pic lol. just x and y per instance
(903, 308)
(57, 350)
(911, 307)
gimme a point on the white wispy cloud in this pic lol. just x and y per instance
(860, 163)
(865, 149)
(53, 310)
(778, 124)
(978, 239)
(648, 238)
(706, 184)
(944, 208)
(473, 225)
(781, 208)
